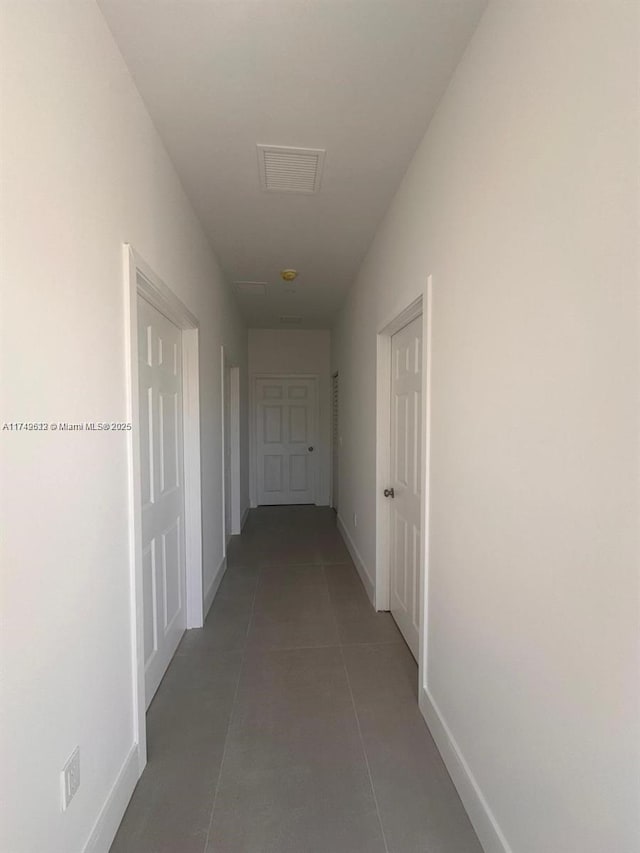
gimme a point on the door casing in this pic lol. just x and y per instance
(141, 280)
(421, 306)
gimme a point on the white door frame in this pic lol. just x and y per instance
(421, 306)
(334, 448)
(234, 439)
(140, 280)
(253, 438)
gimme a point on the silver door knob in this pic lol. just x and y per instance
(311, 448)
(389, 493)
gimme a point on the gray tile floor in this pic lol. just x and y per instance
(289, 723)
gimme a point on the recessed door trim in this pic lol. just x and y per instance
(140, 280)
(421, 306)
(253, 438)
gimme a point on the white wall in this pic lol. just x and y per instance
(522, 201)
(291, 351)
(83, 171)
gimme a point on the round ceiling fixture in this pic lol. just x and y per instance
(289, 275)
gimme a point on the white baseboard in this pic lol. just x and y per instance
(245, 516)
(358, 562)
(480, 814)
(112, 812)
(210, 594)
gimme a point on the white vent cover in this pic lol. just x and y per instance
(291, 320)
(290, 170)
(251, 288)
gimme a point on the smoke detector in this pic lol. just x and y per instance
(291, 170)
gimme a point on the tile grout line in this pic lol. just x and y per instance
(355, 712)
(233, 707)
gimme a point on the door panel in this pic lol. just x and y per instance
(272, 419)
(162, 490)
(149, 600)
(286, 424)
(273, 474)
(299, 473)
(298, 429)
(169, 442)
(405, 456)
(171, 557)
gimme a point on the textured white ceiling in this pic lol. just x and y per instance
(360, 78)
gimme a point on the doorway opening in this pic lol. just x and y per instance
(165, 533)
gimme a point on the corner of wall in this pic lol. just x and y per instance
(362, 570)
(112, 812)
(210, 592)
(476, 806)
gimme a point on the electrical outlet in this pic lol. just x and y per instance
(70, 778)
(355, 519)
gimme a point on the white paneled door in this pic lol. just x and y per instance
(404, 501)
(286, 429)
(162, 490)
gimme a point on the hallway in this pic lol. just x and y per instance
(289, 723)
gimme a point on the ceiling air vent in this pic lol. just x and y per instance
(251, 288)
(291, 320)
(290, 170)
